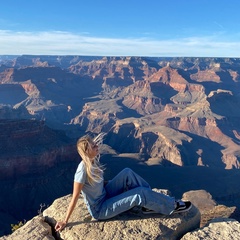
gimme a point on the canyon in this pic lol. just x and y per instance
(173, 120)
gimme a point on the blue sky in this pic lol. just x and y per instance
(194, 28)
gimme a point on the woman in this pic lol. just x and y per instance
(123, 192)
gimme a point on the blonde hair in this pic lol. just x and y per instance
(93, 167)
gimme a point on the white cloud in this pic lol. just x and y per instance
(66, 43)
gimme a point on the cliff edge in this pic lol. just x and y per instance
(129, 225)
(215, 221)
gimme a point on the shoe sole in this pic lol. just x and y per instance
(150, 212)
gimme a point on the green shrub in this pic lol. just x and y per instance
(14, 227)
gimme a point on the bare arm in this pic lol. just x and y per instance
(77, 187)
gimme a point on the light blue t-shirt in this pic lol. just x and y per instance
(92, 193)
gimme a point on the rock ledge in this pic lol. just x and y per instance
(130, 225)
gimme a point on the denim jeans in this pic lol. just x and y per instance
(127, 190)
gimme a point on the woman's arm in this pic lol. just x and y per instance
(77, 187)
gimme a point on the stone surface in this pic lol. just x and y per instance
(130, 225)
(35, 229)
(219, 228)
(134, 224)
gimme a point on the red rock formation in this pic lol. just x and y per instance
(151, 92)
(6, 76)
(205, 76)
(171, 77)
(139, 97)
(29, 147)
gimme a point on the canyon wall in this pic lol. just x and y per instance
(156, 112)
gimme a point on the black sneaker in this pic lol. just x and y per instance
(182, 206)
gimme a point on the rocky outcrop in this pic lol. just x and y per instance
(133, 224)
(206, 75)
(129, 225)
(6, 75)
(98, 116)
(139, 97)
(170, 76)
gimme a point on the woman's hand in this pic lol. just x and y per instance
(77, 187)
(60, 225)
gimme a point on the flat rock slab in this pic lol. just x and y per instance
(129, 225)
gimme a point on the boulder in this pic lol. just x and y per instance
(129, 225)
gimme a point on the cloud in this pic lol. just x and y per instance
(67, 43)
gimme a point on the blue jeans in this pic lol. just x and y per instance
(127, 190)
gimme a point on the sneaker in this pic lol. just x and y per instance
(148, 211)
(182, 206)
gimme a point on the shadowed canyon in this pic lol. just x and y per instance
(175, 121)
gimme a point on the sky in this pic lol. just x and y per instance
(160, 28)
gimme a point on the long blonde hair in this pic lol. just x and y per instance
(93, 167)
